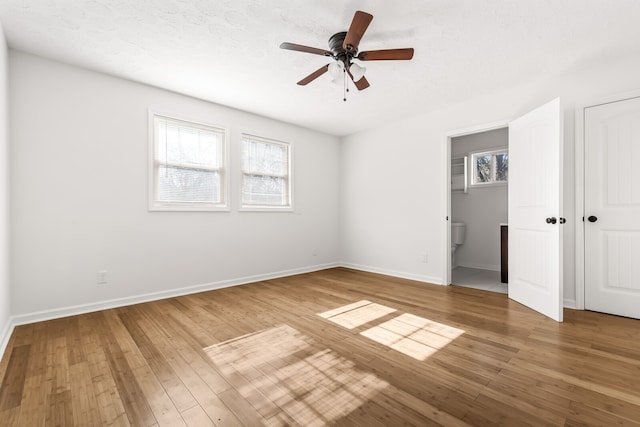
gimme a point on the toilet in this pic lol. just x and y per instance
(457, 238)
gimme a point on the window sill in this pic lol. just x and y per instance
(490, 185)
(266, 209)
(187, 208)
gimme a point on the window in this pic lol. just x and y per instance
(188, 166)
(266, 174)
(490, 167)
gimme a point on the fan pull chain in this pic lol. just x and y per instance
(346, 89)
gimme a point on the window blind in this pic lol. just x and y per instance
(189, 162)
(265, 173)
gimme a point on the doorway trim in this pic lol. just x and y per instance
(579, 185)
(446, 228)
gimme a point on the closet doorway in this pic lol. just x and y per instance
(479, 209)
(535, 214)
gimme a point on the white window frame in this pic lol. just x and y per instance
(472, 167)
(288, 176)
(154, 164)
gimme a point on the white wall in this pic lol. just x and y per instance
(79, 199)
(482, 209)
(5, 291)
(394, 176)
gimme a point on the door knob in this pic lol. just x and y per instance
(592, 218)
(552, 220)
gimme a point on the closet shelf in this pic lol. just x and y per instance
(459, 174)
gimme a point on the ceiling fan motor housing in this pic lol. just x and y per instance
(336, 42)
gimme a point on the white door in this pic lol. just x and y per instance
(535, 245)
(612, 208)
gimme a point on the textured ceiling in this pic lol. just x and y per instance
(226, 51)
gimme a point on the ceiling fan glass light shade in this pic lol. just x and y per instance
(357, 72)
(335, 69)
(338, 80)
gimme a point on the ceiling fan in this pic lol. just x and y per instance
(343, 48)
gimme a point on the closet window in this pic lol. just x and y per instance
(489, 167)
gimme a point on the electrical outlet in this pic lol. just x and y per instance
(315, 251)
(425, 257)
(102, 277)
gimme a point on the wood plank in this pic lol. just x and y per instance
(74, 342)
(12, 343)
(59, 411)
(107, 399)
(83, 400)
(196, 417)
(10, 417)
(241, 407)
(13, 382)
(33, 408)
(175, 389)
(137, 407)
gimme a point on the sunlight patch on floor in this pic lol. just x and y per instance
(357, 314)
(287, 376)
(407, 333)
(412, 335)
(258, 348)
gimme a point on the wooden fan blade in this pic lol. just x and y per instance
(301, 48)
(361, 84)
(311, 77)
(386, 55)
(359, 25)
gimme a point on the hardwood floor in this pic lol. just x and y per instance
(334, 347)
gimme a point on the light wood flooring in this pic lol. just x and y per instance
(337, 347)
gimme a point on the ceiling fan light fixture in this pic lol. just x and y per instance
(335, 69)
(357, 72)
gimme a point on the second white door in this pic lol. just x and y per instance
(612, 207)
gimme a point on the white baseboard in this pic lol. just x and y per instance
(400, 274)
(570, 303)
(121, 302)
(479, 266)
